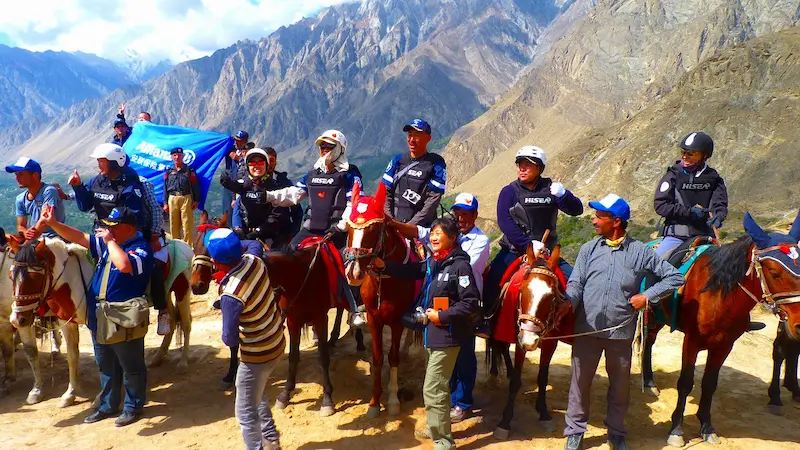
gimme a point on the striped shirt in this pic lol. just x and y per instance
(260, 324)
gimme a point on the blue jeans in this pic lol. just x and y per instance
(669, 243)
(121, 364)
(462, 382)
(252, 404)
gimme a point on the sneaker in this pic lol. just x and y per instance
(357, 320)
(574, 442)
(617, 442)
(266, 444)
(423, 434)
(457, 414)
(163, 323)
(127, 418)
(484, 330)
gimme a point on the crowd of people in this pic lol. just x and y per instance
(264, 207)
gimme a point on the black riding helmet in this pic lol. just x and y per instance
(698, 141)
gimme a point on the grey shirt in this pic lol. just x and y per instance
(604, 280)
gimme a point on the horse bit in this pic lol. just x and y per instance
(768, 300)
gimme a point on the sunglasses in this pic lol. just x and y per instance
(327, 146)
(256, 163)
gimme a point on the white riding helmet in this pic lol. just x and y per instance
(332, 137)
(111, 152)
(533, 154)
(255, 152)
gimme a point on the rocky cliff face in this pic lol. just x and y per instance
(612, 64)
(365, 68)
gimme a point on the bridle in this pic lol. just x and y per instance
(772, 302)
(203, 261)
(353, 254)
(528, 322)
(23, 303)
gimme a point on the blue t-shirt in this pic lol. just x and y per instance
(33, 208)
(121, 286)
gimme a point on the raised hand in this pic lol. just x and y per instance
(32, 233)
(121, 108)
(74, 179)
(104, 234)
(47, 215)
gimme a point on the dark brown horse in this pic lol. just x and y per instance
(721, 288)
(541, 316)
(784, 348)
(386, 299)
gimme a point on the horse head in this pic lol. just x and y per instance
(541, 303)
(202, 264)
(366, 233)
(776, 260)
(31, 276)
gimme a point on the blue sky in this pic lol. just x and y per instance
(155, 29)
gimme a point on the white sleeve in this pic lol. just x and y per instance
(288, 196)
(342, 224)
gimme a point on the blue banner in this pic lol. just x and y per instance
(149, 145)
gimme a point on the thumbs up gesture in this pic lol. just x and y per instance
(74, 179)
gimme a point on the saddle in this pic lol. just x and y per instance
(334, 268)
(680, 254)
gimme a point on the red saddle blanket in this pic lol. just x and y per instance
(334, 268)
(505, 326)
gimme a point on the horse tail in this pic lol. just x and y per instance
(488, 355)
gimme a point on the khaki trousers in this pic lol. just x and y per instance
(181, 216)
(436, 394)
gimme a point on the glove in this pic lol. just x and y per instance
(714, 222)
(557, 189)
(253, 235)
(225, 178)
(698, 213)
(537, 246)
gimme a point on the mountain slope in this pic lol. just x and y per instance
(618, 59)
(365, 68)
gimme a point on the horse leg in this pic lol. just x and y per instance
(7, 347)
(184, 308)
(360, 347)
(28, 336)
(647, 362)
(792, 352)
(376, 331)
(408, 340)
(491, 352)
(716, 358)
(233, 366)
(685, 385)
(505, 350)
(515, 382)
(775, 404)
(545, 419)
(328, 407)
(72, 337)
(337, 328)
(158, 358)
(294, 357)
(393, 405)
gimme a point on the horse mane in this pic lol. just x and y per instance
(728, 265)
(26, 253)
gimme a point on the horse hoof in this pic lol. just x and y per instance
(326, 411)
(393, 409)
(775, 410)
(66, 401)
(155, 362)
(711, 438)
(225, 386)
(675, 440)
(182, 367)
(361, 348)
(33, 398)
(501, 434)
(652, 390)
(548, 425)
(280, 405)
(373, 412)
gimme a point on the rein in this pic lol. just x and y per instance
(353, 254)
(768, 300)
(324, 241)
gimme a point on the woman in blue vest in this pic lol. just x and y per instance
(328, 187)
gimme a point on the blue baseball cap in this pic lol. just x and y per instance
(24, 163)
(613, 204)
(119, 122)
(466, 201)
(419, 125)
(241, 135)
(223, 246)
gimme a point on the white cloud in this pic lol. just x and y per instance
(155, 29)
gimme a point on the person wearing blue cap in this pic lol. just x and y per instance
(232, 161)
(118, 245)
(121, 129)
(28, 205)
(251, 320)
(604, 292)
(415, 181)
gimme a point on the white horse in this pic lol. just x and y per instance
(56, 270)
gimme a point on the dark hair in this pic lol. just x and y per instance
(448, 226)
(271, 152)
(250, 145)
(623, 224)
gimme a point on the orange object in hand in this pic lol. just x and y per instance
(440, 304)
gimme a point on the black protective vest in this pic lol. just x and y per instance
(411, 189)
(327, 198)
(535, 211)
(108, 194)
(254, 207)
(177, 181)
(693, 190)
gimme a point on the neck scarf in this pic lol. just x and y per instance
(442, 254)
(614, 243)
(335, 157)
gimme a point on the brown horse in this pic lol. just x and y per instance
(386, 300)
(542, 316)
(721, 288)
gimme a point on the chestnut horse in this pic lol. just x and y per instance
(721, 288)
(386, 299)
(543, 315)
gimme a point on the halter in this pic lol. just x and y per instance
(353, 254)
(527, 322)
(768, 300)
(29, 302)
(203, 261)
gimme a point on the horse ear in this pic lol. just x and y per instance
(795, 231)
(203, 217)
(44, 254)
(555, 257)
(529, 256)
(380, 196)
(223, 221)
(759, 236)
(356, 194)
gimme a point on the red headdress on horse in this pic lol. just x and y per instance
(367, 210)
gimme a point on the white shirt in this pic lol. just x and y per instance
(474, 243)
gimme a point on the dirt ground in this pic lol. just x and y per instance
(187, 411)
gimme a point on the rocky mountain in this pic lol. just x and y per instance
(365, 68)
(591, 99)
(141, 70)
(37, 87)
